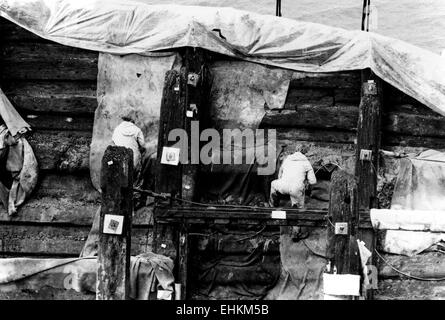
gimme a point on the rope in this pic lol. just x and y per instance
(404, 273)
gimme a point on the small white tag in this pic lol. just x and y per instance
(341, 284)
(189, 113)
(341, 228)
(278, 214)
(113, 224)
(170, 156)
(164, 295)
(163, 246)
(110, 163)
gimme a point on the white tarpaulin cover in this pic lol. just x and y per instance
(124, 27)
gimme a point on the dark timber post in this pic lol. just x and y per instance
(113, 271)
(184, 103)
(368, 138)
(343, 210)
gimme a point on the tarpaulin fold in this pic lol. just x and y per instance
(125, 27)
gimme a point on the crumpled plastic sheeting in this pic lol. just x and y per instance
(416, 207)
(409, 243)
(124, 27)
(420, 183)
(408, 220)
(130, 82)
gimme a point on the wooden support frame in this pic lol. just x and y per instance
(369, 138)
(343, 230)
(183, 105)
(113, 273)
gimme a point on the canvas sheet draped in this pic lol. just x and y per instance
(11, 117)
(124, 83)
(148, 272)
(240, 93)
(416, 220)
(125, 27)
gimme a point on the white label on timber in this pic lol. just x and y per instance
(110, 163)
(113, 224)
(189, 113)
(170, 156)
(278, 214)
(341, 284)
(163, 246)
(341, 228)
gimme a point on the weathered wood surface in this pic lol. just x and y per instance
(54, 122)
(424, 265)
(368, 138)
(254, 216)
(346, 80)
(343, 207)
(397, 289)
(45, 293)
(113, 258)
(288, 136)
(61, 150)
(51, 239)
(12, 32)
(47, 61)
(71, 97)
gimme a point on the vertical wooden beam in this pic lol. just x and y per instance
(343, 208)
(113, 271)
(369, 138)
(168, 178)
(184, 100)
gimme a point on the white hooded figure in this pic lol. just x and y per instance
(128, 135)
(294, 172)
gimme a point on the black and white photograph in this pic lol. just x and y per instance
(215, 157)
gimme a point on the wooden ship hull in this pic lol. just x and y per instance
(54, 88)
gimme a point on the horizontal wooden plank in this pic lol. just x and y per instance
(424, 265)
(65, 199)
(347, 95)
(248, 215)
(53, 240)
(345, 116)
(72, 97)
(395, 289)
(45, 293)
(12, 32)
(288, 136)
(350, 79)
(47, 61)
(418, 109)
(314, 116)
(61, 150)
(391, 140)
(308, 96)
(416, 125)
(58, 122)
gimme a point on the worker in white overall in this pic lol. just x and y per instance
(294, 172)
(128, 135)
